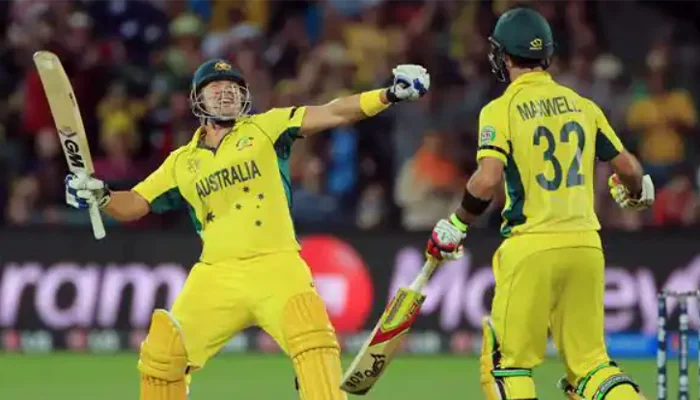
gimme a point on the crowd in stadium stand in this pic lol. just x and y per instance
(131, 63)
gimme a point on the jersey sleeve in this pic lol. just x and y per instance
(494, 136)
(607, 144)
(159, 189)
(279, 122)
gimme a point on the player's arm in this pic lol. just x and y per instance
(629, 186)
(492, 157)
(480, 189)
(410, 83)
(83, 190)
(155, 193)
(126, 205)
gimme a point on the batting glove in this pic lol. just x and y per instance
(410, 83)
(83, 190)
(445, 242)
(625, 199)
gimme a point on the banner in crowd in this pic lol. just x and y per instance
(66, 290)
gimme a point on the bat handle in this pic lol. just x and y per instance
(98, 227)
(428, 268)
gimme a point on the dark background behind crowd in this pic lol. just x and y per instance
(131, 62)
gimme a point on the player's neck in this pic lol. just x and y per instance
(214, 133)
(516, 73)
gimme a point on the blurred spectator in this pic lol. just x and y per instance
(119, 140)
(311, 206)
(584, 79)
(429, 184)
(677, 203)
(372, 209)
(370, 43)
(41, 188)
(664, 119)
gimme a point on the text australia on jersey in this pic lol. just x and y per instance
(226, 177)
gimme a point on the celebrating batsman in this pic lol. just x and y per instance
(544, 138)
(234, 179)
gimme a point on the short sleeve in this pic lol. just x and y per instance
(494, 136)
(607, 144)
(159, 189)
(281, 122)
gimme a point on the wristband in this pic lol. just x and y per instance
(454, 220)
(473, 205)
(371, 102)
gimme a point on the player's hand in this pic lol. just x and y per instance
(625, 199)
(445, 242)
(83, 190)
(410, 83)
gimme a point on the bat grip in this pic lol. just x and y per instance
(98, 228)
(425, 274)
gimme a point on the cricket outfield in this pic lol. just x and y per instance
(70, 376)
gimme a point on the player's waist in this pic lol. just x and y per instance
(214, 251)
(554, 239)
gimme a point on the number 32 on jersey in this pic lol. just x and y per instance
(569, 132)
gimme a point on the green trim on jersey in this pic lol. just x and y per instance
(195, 221)
(170, 200)
(513, 215)
(604, 149)
(283, 148)
(173, 200)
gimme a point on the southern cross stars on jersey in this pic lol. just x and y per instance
(548, 136)
(238, 195)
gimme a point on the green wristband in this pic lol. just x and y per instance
(454, 219)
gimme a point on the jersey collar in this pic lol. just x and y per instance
(530, 77)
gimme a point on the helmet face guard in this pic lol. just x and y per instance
(497, 59)
(226, 104)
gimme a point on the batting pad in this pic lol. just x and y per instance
(313, 347)
(608, 382)
(501, 384)
(163, 360)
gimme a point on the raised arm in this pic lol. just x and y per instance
(157, 193)
(410, 83)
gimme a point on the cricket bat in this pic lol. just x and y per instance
(69, 123)
(381, 346)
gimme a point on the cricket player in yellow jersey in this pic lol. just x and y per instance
(233, 177)
(544, 139)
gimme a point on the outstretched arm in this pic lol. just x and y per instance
(410, 83)
(157, 193)
(125, 206)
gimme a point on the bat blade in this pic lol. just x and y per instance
(69, 122)
(384, 342)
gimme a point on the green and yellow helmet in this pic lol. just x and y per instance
(218, 69)
(523, 33)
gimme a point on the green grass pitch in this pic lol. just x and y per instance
(64, 376)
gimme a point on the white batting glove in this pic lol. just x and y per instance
(410, 83)
(445, 242)
(625, 199)
(83, 190)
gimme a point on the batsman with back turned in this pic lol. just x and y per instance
(543, 140)
(234, 179)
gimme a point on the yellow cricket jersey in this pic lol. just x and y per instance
(548, 137)
(238, 195)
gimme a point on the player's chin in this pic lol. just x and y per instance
(226, 112)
